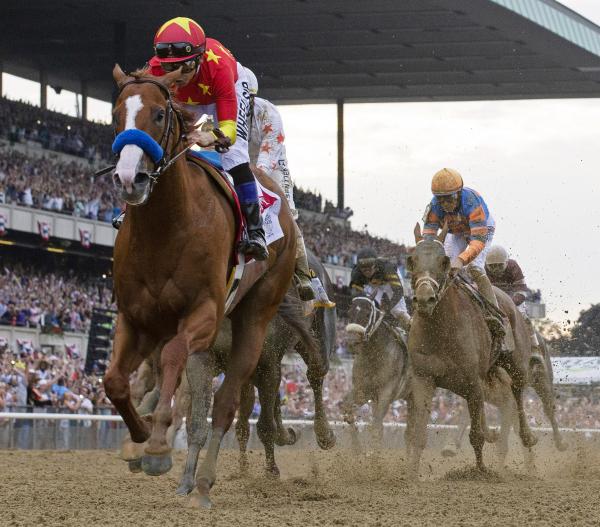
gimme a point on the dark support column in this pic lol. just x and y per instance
(84, 96)
(43, 90)
(119, 51)
(1, 72)
(340, 152)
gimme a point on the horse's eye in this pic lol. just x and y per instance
(160, 116)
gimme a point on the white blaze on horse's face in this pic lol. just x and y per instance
(131, 155)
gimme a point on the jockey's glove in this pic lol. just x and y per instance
(201, 138)
(456, 264)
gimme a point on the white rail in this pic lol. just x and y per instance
(286, 422)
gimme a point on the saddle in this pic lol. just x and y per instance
(498, 324)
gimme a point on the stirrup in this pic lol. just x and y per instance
(254, 248)
(304, 288)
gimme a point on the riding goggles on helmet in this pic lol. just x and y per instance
(171, 50)
(186, 66)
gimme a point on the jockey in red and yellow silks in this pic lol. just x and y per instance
(214, 83)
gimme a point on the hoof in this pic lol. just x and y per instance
(529, 441)
(287, 437)
(492, 436)
(327, 440)
(561, 446)
(198, 501)
(157, 465)
(449, 451)
(272, 472)
(135, 465)
(131, 451)
(185, 487)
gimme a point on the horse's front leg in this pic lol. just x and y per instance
(419, 410)
(199, 373)
(128, 354)
(196, 334)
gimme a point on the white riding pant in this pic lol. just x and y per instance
(238, 151)
(282, 177)
(455, 244)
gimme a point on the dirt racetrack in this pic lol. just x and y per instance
(93, 488)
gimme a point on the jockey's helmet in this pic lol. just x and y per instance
(179, 39)
(366, 259)
(496, 259)
(252, 81)
(446, 182)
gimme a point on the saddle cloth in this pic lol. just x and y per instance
(243, 274)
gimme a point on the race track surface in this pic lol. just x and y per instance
(93, 488)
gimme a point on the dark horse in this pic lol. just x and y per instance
(172, 260)
(450, 346)
(379, 370)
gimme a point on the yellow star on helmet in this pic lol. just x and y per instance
(181, 21)
(189, 101)
(210, 55)
(205, 89)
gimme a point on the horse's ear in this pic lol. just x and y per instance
(169, 79)
(444, 233)
(410, 264)
(119, 75)
(417, 231)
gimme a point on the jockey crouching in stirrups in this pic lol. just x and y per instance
(470, 233)
(268, 158)
(213, 83)
(379, 278)
(506, 274)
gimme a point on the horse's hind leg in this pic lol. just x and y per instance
(454, 443)
(199, 373)
(527, 438)
(543, 387)
(242, 426)
(315, 374)
(268, 391)
(283, 436)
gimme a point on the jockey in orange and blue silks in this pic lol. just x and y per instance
(470, 226)
(212, 82)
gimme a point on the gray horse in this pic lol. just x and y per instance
(379, 370)
(312, 336)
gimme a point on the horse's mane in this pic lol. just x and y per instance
(189, 119)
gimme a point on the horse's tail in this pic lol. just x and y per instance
(325, 324)
(291, 312)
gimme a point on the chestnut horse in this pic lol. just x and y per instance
(172, 259)
(450, 346)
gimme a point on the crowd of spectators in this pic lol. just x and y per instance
(338, 244)
(55, 185)
(52, 301)
(34, 379)
(21, 122)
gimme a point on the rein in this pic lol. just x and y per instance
(155, 150)
(375, 318)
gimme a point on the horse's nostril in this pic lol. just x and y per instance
(431, 300)
(140, 177)
(116, 179)
(414, 299)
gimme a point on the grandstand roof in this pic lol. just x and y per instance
(314, 51)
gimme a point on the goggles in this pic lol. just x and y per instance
(366, 263)
(186, 66)
(167, 50)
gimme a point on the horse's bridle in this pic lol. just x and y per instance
(375, 318)
(167, 159)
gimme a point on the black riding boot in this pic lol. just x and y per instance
(256, 245)
(117, 221)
